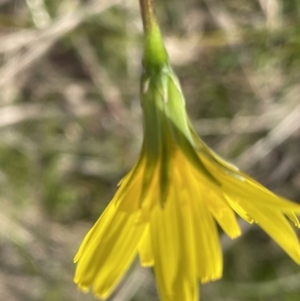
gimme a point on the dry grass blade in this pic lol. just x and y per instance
(45, 39)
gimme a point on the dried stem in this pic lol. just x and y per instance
(147, 13)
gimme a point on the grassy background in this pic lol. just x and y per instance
(70, 124)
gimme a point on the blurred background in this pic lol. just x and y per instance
(70, 128)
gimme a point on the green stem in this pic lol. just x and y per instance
(154, 52)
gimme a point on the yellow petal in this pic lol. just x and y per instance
(99, 227)
(130, 174)
(204, 150)
(251, 191)
(293, 218)
(234, 203)
(276, 225)
(173, 250)
(223, 214)
(108, 251)
(207, 246)
(209, 263)
(130, 187)
(243, 187)
(145, 249)
(192, 191)
(138, 188)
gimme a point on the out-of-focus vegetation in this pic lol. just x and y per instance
(70, 125)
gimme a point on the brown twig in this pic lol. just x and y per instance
(147, 13)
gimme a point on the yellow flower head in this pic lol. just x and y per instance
(167, 207)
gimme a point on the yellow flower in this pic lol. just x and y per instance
(167, 207)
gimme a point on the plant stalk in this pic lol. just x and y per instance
(148, 15)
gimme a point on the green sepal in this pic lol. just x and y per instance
(215, 158)
(167, 155)
(155, 54)
(157, 150)
(179, 125)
